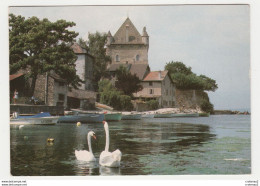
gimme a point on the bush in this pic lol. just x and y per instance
(206, 106)
(152, 104)
(114, 98)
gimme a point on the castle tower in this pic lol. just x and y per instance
(145, 37)
(127, 46)
(109, 38)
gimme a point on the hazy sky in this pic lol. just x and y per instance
(213, 40)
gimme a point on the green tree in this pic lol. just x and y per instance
(177, 67)
(111, 96)
(83, 44)
(206, 106)
(209, 84)
(126, 82)
(96, 44)
(152, 104)
(184, 78)
(42, 46)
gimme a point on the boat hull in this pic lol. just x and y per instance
(185, 115)
(132, 117)
(147, 115)
(83, 118)
(168, 115)
(113, 117)
(204, 114)
(35, 121)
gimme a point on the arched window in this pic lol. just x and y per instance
(137, 57)
(117, 58)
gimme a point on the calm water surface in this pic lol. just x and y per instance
(170, 146)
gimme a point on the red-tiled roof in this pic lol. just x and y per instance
(78, 49)
(156, 76)
(14, 76)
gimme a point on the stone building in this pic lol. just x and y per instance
(51, 89)
(158, 85)
(84, 97)
(84, 66)
(129, 48)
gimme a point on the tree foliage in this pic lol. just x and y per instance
(206, 106)
(111, 96)
(42, 46)
(96, 45)
(126, 82)
(152, 104)
(184, 78)
(178, 67)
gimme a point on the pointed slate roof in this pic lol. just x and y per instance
(134, 35)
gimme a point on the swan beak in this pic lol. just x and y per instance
(94, 137)
(104, 122)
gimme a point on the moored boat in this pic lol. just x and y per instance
(39, 119)
(185, 115)
(204, 114)
(131, 116)
(163, 115)
(83, 118)
(113, 116)
(147, 115)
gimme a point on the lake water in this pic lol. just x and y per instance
(169, 146)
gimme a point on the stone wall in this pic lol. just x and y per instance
(168, 93)
(128, 53)
(189, 98)
(36, 109)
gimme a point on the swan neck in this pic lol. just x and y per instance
(89, 143)
(107, 138)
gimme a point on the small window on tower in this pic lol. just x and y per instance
(137, 57)
(117, 58)
(131, 38)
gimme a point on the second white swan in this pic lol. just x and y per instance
(109, 159)
(85, 155)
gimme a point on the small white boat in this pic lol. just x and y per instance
(38, 119)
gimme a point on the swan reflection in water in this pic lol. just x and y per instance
(109, 171)
(93, 168)
(86, 168)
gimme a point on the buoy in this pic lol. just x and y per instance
(50, 140)
(78, 123)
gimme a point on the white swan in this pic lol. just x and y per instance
(109, 159)
(85, 155)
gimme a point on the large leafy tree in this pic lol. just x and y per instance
(184, 78)
(96, 47)
(127, 82)
(42, 46)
